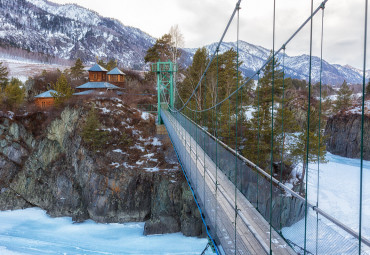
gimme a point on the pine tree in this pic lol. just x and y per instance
(109, 65)
(3, 75)
(14, 94)
(299, 149)
(77, 71)
(91, 133)
(261, 120)
(161, 50)
(63, 90)
(192, 76)
(344, 97)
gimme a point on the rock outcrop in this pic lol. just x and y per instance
(54, 169)
(343, 135)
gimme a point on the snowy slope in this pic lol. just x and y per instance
(339, 196)
(69, 32)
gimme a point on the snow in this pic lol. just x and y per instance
(115, 164)
(32, 232)
(339, 196)
(156, 142)
(249, 112)
(145, 115)
(358, 109)
(151, 169)
(119, 151)
(105, 110)
(139, 147)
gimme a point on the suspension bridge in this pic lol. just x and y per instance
(245, 207)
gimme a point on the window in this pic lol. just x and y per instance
(43, 104)
(94, 76)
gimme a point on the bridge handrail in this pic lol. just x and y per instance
(277, 182)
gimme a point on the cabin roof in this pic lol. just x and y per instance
(46, 94)
(97, 68)
(115, 71)
(82, 93)
(98, 85)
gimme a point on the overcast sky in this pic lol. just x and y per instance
(203, 21)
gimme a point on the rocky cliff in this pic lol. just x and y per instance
(343, 134)
(45, 163)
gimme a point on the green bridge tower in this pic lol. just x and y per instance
(165, 73)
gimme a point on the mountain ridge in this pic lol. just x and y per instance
(70, 31)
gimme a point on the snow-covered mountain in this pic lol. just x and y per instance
(254, 56)
(70, 31)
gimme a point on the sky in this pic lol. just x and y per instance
(203, 21)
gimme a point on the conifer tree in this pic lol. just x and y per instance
(63, 90)
(227, 85)
(192, 76)
(344, 97)
(13, 93)
(3, 75)
(91, 132)
(261, 120)
(299, 149)
(77, 71)
(109, 65)
(161, 50)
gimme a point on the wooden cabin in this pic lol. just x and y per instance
(97, 73)
(46, 99)
(116, 77)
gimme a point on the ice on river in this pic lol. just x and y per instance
(31, 231)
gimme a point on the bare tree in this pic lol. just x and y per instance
(177, 42)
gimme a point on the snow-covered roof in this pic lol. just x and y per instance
(82, 93)
(98, 85)
(97, 68)
(115, 71)
(46, 94)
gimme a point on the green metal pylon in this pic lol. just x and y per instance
(164, 71)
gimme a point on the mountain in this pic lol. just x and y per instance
(254, 56)
(69, 32)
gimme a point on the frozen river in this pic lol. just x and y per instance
(31, 231)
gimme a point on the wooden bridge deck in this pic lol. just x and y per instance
(252, 230)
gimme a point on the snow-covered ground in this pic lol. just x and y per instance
(24, 68)
(339, 196)
(31, 231)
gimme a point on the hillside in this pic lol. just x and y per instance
(70, 32)
(132, 177)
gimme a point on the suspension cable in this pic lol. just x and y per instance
(283, 141)
(272, 119)
(319, 146)
(362, 129)
(308, 134)
(258, 134)
(263, 66)
(236, 127)
(216, 135)
(214, 54)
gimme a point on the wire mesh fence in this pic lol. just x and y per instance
(281, 207)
